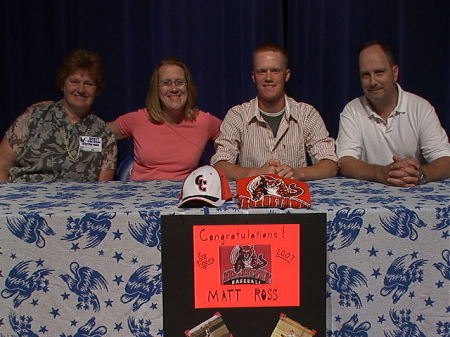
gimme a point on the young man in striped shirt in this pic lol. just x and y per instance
(273, 133)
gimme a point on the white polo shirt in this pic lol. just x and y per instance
(412, 130)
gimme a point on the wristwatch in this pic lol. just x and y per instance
(422, 178)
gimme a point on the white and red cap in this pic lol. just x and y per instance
(205, 186)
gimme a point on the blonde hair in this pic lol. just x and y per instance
(153, 102)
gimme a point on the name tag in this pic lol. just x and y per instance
(90, 144)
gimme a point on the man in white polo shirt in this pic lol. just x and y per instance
(273, 133)
(389, 135)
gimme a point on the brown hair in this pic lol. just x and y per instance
(81, 59)
(152, 101)
(387, 50)
(272, 47)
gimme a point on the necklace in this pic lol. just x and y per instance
(66, 144)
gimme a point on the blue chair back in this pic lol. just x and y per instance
(124, 169)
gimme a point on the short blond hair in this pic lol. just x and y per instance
(271, 47)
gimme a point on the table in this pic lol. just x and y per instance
(83, 259)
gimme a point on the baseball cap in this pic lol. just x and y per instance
(205, 186)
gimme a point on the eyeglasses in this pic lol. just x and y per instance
(168, 83)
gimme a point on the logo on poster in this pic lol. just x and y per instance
(245, 264)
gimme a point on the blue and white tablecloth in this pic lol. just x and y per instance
(85, 259)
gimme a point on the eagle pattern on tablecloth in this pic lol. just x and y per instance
(84, 259)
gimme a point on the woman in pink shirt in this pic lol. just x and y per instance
(170, 134)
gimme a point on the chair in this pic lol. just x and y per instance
(124, 169)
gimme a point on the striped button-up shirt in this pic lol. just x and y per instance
(247, 140)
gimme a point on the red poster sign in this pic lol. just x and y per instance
(246, 265)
